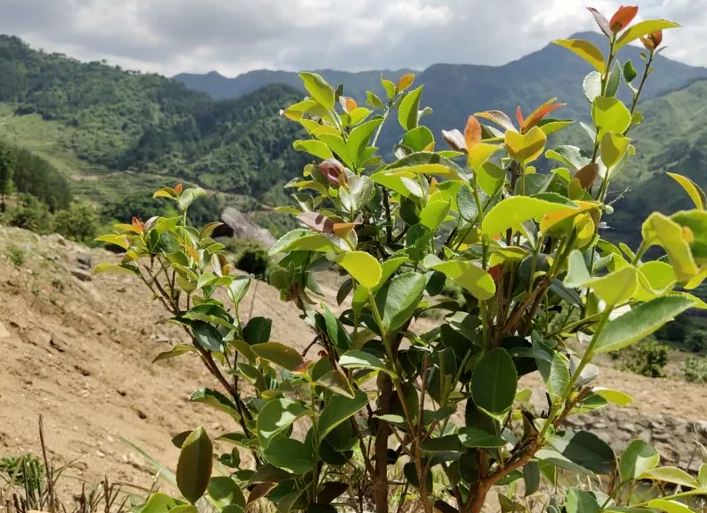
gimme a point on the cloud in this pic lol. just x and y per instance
(234, 36)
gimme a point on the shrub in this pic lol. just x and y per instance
(377, 396)
(250, 257)
(78, 223)
(31, 214)
(16, 255)
(695, 369)
(697, 340)
(647, 358)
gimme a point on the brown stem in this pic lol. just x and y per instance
(380, 482)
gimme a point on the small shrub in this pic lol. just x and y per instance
(31, 214)
(25, 470)
(695, 369)
(16, 255)
(251, 257)
(697, 340)
(78, 223)
(647, 358)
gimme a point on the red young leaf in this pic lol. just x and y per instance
(178, 189)
(317, 222)
(334, 171)
(519, 116)
(498, 117)
(472, 132)
(601, 21)
(342, 230)
(539, 113)
(454, 139)
(622, 18)
(653, 40)
(405, 82)
(351, 104)
(587, 175)
(137, 224)
(496, 271)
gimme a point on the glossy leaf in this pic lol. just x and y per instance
(585, 50)
(670, 475)
(336, 382)
(525, 147)
(586, 450)
(613, 148)
(467, 274)
(512, 212)
(408, 110)
(610, 114)
(663, 231)
(224, 491)
(623, 16)
(397, 299)
(474, 436)
(356, 359)
(693, 190)
(285, 356)
(643, 28)
(338, 410)
(319, 89)
(194, 465)
(276, 416)
(601, 20)
(494, 382)
(637, 458)
(363, 267)
(177, 350)
(555, 374)
(290, 455)
(613, 396)
(434, 214)
(640, 321)
(215, 399)
(668, 506)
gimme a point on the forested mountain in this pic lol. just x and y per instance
(132, 121)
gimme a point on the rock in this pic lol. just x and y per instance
(81, 274)
(58, 343)
(661, 436)
(627, 427)
(237, 224)
(3, 331)
(83, 261)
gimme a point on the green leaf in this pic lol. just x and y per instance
(525, 147)
(257, 331)
(491, 178)
(612, 84)
(397, 299)
(207, 336)
(356, 359)
(693, 190)
(224, 491)
(319, 89)
(114, 268)
(702, 476)
(617, 287)
(494, 382)
(279, 354)
(177, 350)
(338, 335)
(670, 475)
(637, 458)
(585, 50)
(613, 148)
(189, 196)
(473, 436)
(434, 214)
(468, 274)
(373, 100)
(531, 477)
(338, 410)
(630, 72)
(418, 138)
(336, 382)
(467, 204)
(581, 501)
(160, 503)
(290, 455)
(215, 399)
(640, 322)
(275, 417)
(194, 465)
(408, 111)
(314, 147)
(301, 240)
(643, 28)
(586, 450)
(555, 374)
(513, 212)
(449, 443)
(610, 115)
(359, 139)
(362, 267)
(668, 506)
(668, 234)
(613, 396)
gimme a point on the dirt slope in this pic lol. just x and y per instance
(79, 352)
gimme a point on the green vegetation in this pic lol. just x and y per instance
(26, 471)
(647, 358)
(15, 255)
(695, 369)
(535, 273)
(250, 256)
(78, 223)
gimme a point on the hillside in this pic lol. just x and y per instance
(121, 120)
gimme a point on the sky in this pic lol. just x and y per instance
(235, 36)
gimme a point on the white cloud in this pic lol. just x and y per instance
(233, 36)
